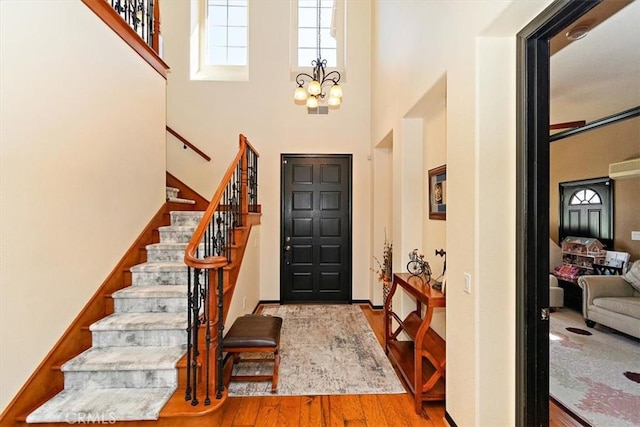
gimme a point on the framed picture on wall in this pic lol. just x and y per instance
(438, 193)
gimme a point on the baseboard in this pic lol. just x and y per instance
(355, 301)
(449, 419)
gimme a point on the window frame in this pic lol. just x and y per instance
(199, 68)
(340, 42)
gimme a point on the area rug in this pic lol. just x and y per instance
(324, 349)
(592, 371)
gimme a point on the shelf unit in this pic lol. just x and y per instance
(421, 360)
(583, 253)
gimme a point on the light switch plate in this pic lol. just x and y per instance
(467, 283)
(635, 235)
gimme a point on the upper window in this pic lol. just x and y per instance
(219, 45)
(585, 197)
(306, 41)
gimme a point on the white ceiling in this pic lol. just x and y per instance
(598, 75)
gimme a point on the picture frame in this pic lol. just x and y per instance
(438, 193)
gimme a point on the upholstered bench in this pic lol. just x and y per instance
(253, 333)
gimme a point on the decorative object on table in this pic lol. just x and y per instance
(417, 266)
(441, 280)
(384, 268)
(438, 193)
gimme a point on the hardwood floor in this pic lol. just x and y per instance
(393, 410)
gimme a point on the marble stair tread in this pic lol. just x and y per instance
(102, 405)
(152, 291)
(180, 200)
(153, 267)
(126, 358)
(140, 321)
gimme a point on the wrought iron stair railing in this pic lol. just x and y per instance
(143, 16)
(208, 254)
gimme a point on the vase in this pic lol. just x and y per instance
(386, 287)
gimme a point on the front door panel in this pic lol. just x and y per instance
(315, 263)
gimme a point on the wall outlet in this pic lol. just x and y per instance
(244, 302)
(467, 283)
(635, 235)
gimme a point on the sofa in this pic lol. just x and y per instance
(613, 301)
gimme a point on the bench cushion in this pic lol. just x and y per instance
(252, 331)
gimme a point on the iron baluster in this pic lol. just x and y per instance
(187, 394)
(195, 306)
(220, 388)
(207, 400)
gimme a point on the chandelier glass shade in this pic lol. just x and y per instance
(318, 80)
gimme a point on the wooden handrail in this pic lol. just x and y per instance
(117, 24)
(190, 254)
(188, 144)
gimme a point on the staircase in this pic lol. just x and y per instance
(130, 372)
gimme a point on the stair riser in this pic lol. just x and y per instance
(150, 305)
(172, 192)
(175, 236)
(160, 254)
(186, 218)
(159, 278)
(121, 379)
(139, 337)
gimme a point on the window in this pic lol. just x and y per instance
(219, 45)
(585, 197)
(305, 40)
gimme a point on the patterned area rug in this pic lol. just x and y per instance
(324, 349)
(593, 374)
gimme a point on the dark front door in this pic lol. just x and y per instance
(315, 261)
(587, 209)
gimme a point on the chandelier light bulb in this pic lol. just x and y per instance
(314, 88)
(300, 94)
(336, 91)
(334, 101)
(312, 102)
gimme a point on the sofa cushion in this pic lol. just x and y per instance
(633, 276)
(629, 306)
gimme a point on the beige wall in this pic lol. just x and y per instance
(473, 45)
(246, 295)
(212, 114)
(588, 155)
(76, 190)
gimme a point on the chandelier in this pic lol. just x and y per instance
(315, 92)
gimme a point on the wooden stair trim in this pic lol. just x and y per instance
(46, 380)
(187, 192)
(114, 21)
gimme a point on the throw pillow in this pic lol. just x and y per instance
(633, 276)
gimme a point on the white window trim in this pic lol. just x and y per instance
(340, 39)
(199, 69)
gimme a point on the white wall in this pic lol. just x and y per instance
(472, 43)
(246, 295)
(82, 169)
(212, 114)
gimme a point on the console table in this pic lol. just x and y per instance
(422, 359)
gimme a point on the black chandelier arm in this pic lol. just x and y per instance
(335, 80)
(299, 78)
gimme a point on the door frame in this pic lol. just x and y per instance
(532, 207)
(348, 156)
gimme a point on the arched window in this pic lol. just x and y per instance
(585, 197)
